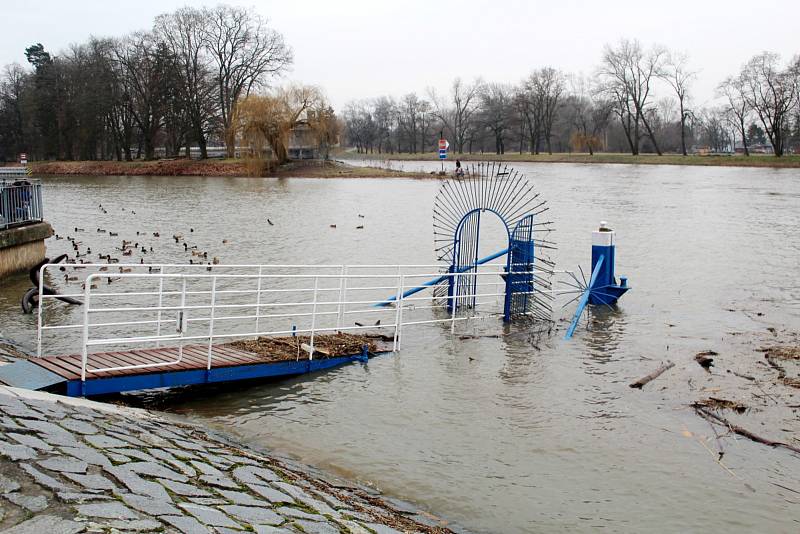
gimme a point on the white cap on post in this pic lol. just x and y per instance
(603, 236)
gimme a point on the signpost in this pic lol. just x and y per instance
(443, 146)
(23, 159)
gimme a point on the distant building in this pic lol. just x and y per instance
(303, 143)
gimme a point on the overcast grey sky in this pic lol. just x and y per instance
(356, 49)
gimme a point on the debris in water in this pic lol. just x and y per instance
(721, 404)
(705, 359)
(652, 376)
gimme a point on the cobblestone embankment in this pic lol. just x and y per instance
(72, 465)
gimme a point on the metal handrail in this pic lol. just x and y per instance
(261, 282)
(20, 203)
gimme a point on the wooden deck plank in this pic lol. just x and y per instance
(54, 366)
(99, 360)
(194, 357)
(133, 358)
(220, 359)
(237, 354)
(163, 357)
(224, 359)
(69, 363)
(217, 359)
(187, 362)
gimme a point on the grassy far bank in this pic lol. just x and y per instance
(761, 160)
(214, 167)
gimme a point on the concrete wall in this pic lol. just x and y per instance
(23, 247)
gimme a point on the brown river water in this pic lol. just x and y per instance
(506, 434)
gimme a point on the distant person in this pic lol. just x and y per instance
(459, 170)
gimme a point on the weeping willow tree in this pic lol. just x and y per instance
(267, 120)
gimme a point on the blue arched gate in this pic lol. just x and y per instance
(519, 286)
(458, 210)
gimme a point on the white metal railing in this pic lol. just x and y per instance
(20, 202)
(179, 304)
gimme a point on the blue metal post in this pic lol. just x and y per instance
(603, 247)
(603, 287)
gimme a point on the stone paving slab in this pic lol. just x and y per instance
(46, 524)
(118, 469)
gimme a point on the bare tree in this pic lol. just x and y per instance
(183, 31)
(495, 113)
(360, 125)
(627, 74)
(679, 76)
(457, 114)
(245, 52)
(143, 74)
(409, 118)
(771, 93)
(588, 114)
(734, 90)
(426, 120)
(549, 85)
(12, 134)
(714, 133)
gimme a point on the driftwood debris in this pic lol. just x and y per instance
(652, 376)
(705, 359)
(772, 363)
(724, 404)
(746, 377)
(710, 416)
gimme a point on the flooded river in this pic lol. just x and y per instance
(504, 434)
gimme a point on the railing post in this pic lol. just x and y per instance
(162, 272)
(313, 319)
(85, 350)
(211, 320)
(258, 297)
(182, 319)
(399, 335)
(454, 306)
(398, 299)
(3, 204)
(39, 313)
(39, 206)
(342, 296)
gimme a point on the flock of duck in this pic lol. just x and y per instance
(136, 245)
(139, 245)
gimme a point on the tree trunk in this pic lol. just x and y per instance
(149, 149)
(683, 128)
(650, 135)
(230, 143)
(744, 138)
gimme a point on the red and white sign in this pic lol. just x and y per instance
(23, 159)
(443, 144)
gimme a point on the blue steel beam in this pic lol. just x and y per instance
(118, 384)
(585, 297)
(440, 279)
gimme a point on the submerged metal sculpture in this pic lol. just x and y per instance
(602, 287)
(458, 210)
